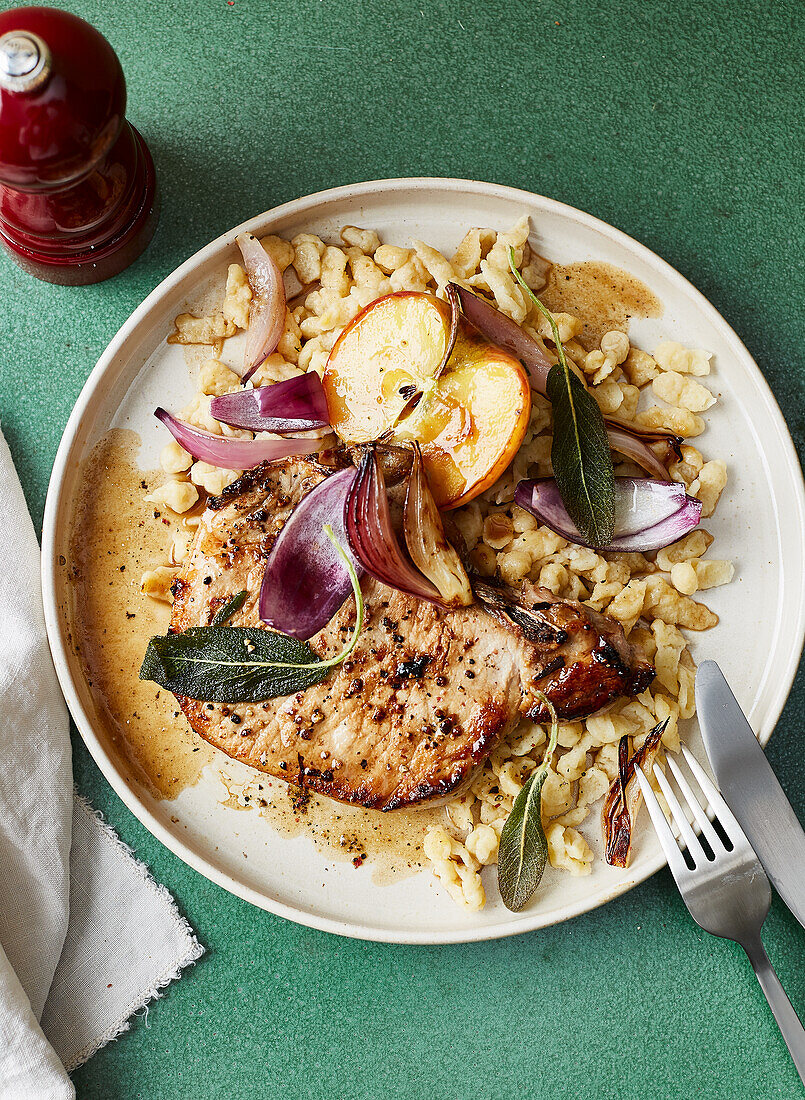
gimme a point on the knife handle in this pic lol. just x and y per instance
(787, 1020)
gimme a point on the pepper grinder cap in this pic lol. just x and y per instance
(24, 61)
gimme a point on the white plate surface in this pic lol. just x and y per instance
(759, 524)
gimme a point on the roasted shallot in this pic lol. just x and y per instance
(371, 536)
(507, 334)
(424, 536)
(624, 798)
(267, 311)
(294, 405)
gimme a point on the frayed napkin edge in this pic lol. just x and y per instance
(193, 952)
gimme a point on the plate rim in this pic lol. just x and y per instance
(185, 851)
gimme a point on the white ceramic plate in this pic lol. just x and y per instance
(759, 524)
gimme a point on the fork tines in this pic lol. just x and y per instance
(696, 850)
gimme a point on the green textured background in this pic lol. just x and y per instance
(679, 123)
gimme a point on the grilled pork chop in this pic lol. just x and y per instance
(426, 694)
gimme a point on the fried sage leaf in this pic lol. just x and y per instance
(230, 608)
(239, 664)
(523, 851)
(231, 664)
(580, 454)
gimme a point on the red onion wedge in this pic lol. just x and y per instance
(633, 442)
(306, 582)
(624, 798)
(371, 535)
(295, 405)
(267, 313)
(424, 536)
(507, 334)
(235, 454)
(649, 514)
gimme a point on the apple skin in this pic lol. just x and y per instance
(472, 425)
(470, 421)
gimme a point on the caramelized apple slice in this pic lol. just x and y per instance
(472, 422)
(391, 351)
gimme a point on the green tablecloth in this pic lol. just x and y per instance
(679, 123)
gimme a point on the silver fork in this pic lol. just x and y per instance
(727, 893)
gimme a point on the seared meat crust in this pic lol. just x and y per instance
(426, 694)
(591, 662)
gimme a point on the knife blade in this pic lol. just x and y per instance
(750, 788)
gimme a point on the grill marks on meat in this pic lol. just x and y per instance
(426, 694)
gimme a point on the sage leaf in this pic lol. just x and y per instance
(238, 664)
(523, 851)
(233, 605)
(581, 458)
(231, 664)
(580, 454)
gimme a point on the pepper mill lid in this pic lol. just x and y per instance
(24, 61)
(78, 195)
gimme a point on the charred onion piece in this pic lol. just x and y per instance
(507, 334)
(649, 514)
(395, 461)
(371, 535)
(624, 798)
(424, 536)
(294, 405)
(634, 443)
(305, 581)
(267, 312)
(235, 454)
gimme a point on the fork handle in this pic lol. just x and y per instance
(787, 1020)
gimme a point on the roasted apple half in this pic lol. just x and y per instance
(390, 352)
(469, 421)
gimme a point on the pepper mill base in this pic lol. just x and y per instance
(108, 256)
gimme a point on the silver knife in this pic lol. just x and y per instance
(750, 787)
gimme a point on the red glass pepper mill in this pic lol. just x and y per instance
(78, 196)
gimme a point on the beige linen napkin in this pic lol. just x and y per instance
(86, 936)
